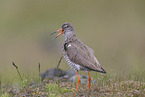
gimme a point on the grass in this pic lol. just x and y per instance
(105, 85)
(109, 85)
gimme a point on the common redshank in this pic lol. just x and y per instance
(78, 55)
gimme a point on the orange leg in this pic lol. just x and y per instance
(78, 81)
(89, 80)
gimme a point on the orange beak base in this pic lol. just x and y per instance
(61, 32)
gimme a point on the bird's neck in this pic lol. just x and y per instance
(71, 38)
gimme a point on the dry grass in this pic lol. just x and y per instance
(104, 86)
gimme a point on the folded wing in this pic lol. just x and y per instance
(84, 56)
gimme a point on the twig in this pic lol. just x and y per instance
(0, 88)
(17, 70)
(39, 72)
(59, 62)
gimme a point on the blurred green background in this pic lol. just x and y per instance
(114, 29)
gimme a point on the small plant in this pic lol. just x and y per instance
(52, 88)
(24, 83)
(17, 70)
(0, 87)
(39, 76)
(5, 95)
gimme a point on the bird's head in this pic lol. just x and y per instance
(67, 29)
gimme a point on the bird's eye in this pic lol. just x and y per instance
(66, 26)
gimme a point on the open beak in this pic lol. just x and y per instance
(61, 32)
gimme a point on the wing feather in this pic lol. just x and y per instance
(84, 56)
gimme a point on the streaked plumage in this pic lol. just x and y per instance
(78, 55)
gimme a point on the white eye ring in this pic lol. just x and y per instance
(66, 26)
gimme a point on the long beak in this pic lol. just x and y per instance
(59, 33)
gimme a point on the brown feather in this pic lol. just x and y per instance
(82, 55)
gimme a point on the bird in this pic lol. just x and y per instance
(78, 55)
